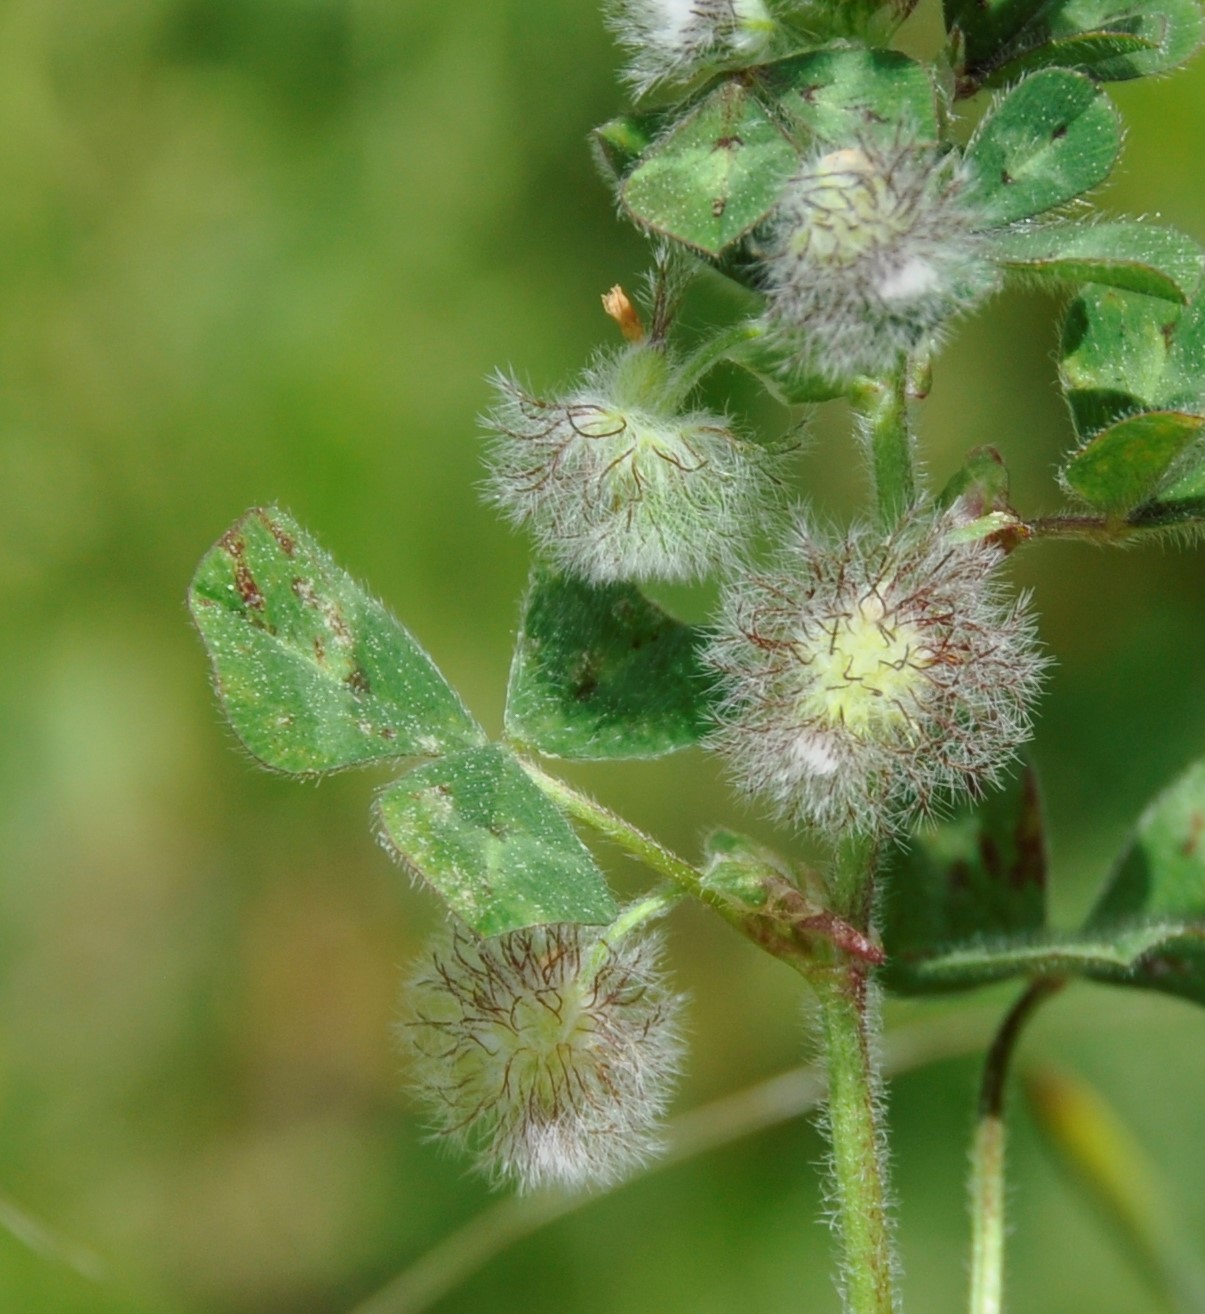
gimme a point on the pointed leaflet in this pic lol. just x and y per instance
(313, 673)
(715, 175)
(1051, 138)
(476, 829)
(602, 672)
(1129, 254)
(844, 97)
(979, 876)
(1132, 370)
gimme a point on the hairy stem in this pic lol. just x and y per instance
(987, 1154)
(848, 1015)
(712, 351)
(882, 409)
(643, 847)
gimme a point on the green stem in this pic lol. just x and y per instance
(848, 1007)
(987, 1154)
(712, 351)
(643, 847)
(882, 409)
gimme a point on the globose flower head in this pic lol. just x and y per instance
(618, 480)
(875, 249)
(868, 679)
(549, 1053)
(670, 40)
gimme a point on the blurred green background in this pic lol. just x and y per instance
(262, 250)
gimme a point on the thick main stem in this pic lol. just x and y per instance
(848, 1003)
(987, 1155)
(849, 1023)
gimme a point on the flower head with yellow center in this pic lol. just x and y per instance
(868, 680)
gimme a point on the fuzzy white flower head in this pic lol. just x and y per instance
(549, 1053)
(869, 681)
(670, 40)
(616, 484)
(875, 249)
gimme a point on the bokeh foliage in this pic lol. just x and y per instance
(266, 251)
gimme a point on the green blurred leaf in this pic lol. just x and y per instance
(1148, 929)
(478, 830)
(313, 673)
(849, 96)
(1122, 466)
(713, 176)
(602, 672)
(1181, 500)
(980, 875)
(1110, 39)
(1133, 369)
(621, 141)
(777, 369)
(1161, 881)
(1139, 257)
(1051, 138)
(988, 27)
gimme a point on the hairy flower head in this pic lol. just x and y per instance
(875, 249)
(549, 1053)
(869, 680)
(670, 40)
(616, 482)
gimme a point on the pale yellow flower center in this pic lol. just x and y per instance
(865, 670)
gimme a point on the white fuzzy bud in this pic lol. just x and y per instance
(875, 250)
(670, 40)
(869, 681)
(548, 1053)
(616, 484)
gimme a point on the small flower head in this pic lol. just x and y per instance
(870, 680)
(671, 40)
(875, 250)
(616, 483)
(549, 1053)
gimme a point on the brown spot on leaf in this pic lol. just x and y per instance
(1005, 177)
(388, 733)
(248, 589)
(728, 143)
(718, 206)
(357, 681)
(1059, 133)
(319, 648)
(1196, 825)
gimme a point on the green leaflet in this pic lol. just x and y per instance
(979, 876)
(714, 175)
(1128, 254)
(313, 673)
(1132, 371)
(1051, 138)
(947, 928)
(478, 830)
(1110, 39)
(602, 672)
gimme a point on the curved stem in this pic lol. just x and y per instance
(711, 1126)
(987, 1153)
(712, 351)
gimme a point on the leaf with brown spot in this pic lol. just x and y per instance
(313, 673)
